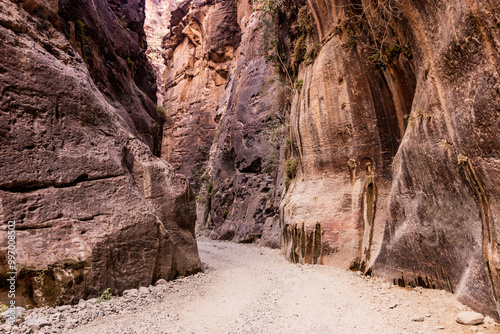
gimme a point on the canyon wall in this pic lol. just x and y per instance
(94, 205)
(384, 156)
(402, 156)
(223, 130)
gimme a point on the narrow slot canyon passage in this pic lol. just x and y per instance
(249, 289)
(249, 166)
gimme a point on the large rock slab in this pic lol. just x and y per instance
(397, 146)
(94, 207)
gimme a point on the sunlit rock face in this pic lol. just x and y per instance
(94, 205)
(156, 26)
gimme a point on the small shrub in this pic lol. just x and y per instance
(130, 63)
(352, 164)
(312, 53)
(351, 38)
(106, 295)
(287, 182)
(3, 308)
(210, 188)
(393, 51)
(81, 37)
(303, 21)
(379, 59)
(299, 84)
(407, 52)
(300, 48)
(271, 7)
(122, 22)
(291, 167)
(162, 112)
(462, 159)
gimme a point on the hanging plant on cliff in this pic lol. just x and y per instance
(271, 45)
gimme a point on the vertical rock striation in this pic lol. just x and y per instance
(387, 150)
(443, 219)
(94, 207)
(396, 134)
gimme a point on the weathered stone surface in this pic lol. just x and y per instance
(156, 27)
(443, 220)
(346, 123)
(161, 282)
(94, 207)
(197, 50)
(246, 150)
(206, 68)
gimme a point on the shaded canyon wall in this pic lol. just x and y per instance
(94, 206)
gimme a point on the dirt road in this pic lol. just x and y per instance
(247, 289)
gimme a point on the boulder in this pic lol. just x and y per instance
(470, 318)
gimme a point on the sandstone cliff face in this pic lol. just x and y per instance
(156, 27)
(197, 52)
(246, 151)
(94, 207)
(398, 165)
(346, 122)
(444, 203)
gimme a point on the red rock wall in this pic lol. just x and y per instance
(399, 164)
(94, 207)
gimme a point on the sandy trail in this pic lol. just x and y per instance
(247, 289)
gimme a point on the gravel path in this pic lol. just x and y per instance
(247, 289)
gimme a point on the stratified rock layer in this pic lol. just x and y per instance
(94, 207)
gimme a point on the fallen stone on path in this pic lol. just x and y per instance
(470, 318)
(37, 323)
(161, 281)
(143, 292)
(19, 311)
(418, 318)
(131, 293)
